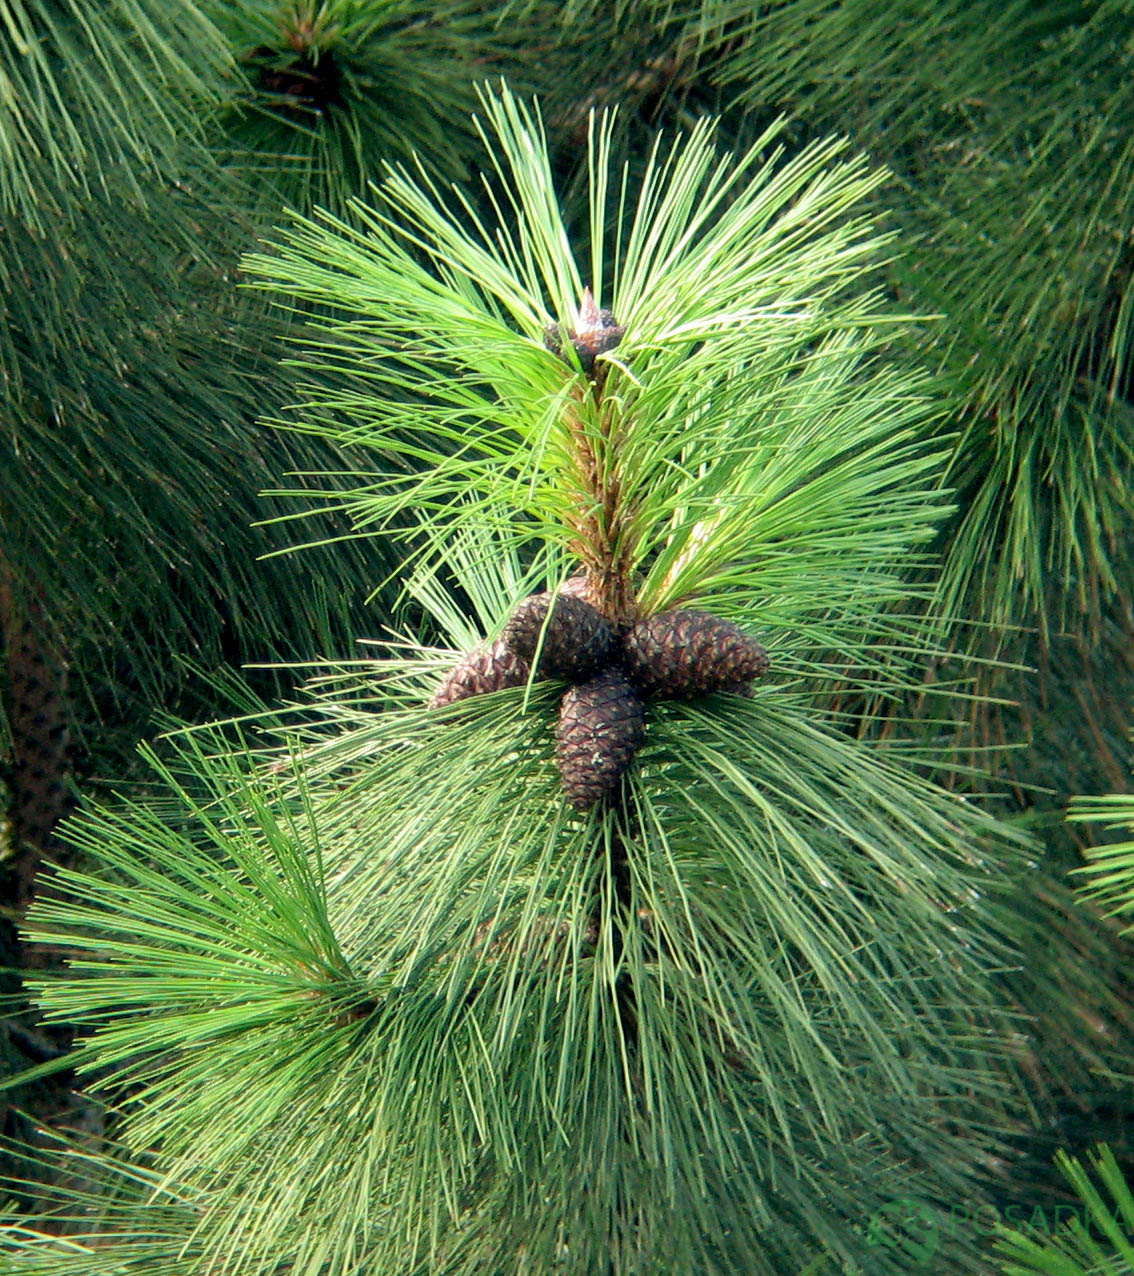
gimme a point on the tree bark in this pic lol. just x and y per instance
(35, 706)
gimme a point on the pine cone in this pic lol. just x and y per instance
(484, 669)
(687, 653)
(577, 587)
(596, 333)
(577, 641)
(601, 726)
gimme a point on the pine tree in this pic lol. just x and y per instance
(595, 788)
(492, 1031)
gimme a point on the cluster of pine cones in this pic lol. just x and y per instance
(677, 653)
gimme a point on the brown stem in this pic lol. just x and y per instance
(602, 540)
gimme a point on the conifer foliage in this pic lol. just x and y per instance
(421, 990)
(325, 91)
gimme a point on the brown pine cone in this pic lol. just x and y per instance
(601, 726)
(687, 653)
(740, 689)
(577, 587)
(577, 640)
(485, 668)
(597, 332)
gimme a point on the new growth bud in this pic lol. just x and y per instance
(595, 332)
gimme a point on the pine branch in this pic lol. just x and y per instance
(96, 93)
(1076, 1249)
(1109, 872)
(417, 997)
(37, 723)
